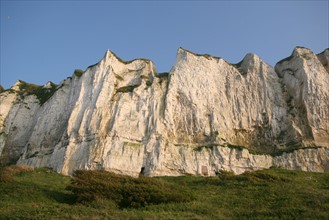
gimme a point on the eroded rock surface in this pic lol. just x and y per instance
(205, 116)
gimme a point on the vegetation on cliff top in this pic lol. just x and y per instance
(78, 72)
(41, 92)
(266, 194)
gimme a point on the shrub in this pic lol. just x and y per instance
(42, 93)
(125, 191)
(8, 173)
(78, 72)
(225, 175)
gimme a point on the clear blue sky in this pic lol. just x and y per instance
(46, 41)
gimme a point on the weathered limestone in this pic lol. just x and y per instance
(212, 101)
(306, 82)
(17, 117)
(206, 115)
(308, 159)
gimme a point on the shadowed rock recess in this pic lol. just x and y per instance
(205, 116)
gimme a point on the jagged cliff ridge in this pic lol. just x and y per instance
(206, 115)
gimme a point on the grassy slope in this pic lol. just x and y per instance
(267, 194)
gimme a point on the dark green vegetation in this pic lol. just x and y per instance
(129, 61)
(207, 56)
(42, 93)
(274, 153)
(78, 72)
(121, 60)
(125, 191)
(266, 194)
(126, 89)
(162, 75)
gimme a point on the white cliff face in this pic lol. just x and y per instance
(211, 101)
(17, 115)
(306, 82)
(50, 126)
(205, 116)
(308, 159)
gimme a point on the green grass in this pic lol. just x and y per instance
(42, 94)
(126, 191)
(266, 194)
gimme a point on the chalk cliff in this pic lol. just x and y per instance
(204, 116)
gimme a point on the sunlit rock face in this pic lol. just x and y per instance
(305, 78)
(204, 116)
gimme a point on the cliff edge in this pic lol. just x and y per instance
(204, 116)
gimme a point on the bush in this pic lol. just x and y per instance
(225, 175)
(78, 72)
(8, 173)
(125, 191)
(42, 93)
